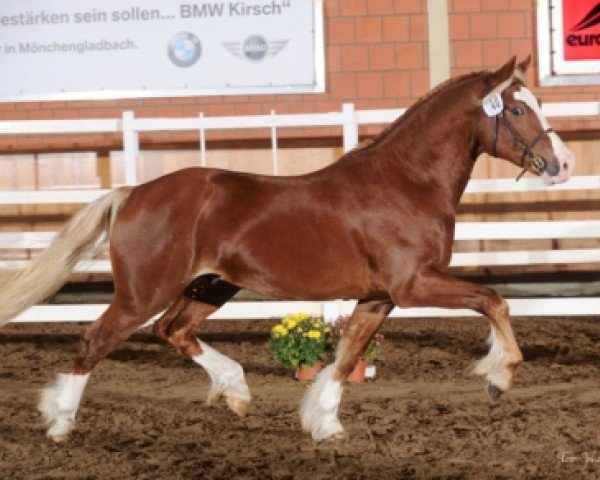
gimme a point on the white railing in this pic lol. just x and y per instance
(349, 120)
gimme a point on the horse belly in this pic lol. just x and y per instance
(294, 265)
(294, 283)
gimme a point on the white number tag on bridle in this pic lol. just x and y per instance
(493, 106)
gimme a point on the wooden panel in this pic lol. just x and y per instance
(17, 172)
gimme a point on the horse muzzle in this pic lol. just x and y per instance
(558, 170)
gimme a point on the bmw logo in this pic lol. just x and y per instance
(255, 47)
(184, 49)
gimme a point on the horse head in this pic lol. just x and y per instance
(514, 128)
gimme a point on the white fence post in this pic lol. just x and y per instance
(202, 140)
(274, 144)
(350, 126)
(131, 148)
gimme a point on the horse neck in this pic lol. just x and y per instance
(432, 146)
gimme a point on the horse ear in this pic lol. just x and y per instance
(524, 65)
(504, 72)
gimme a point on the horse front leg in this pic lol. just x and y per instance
(436, 289)
(318, 409)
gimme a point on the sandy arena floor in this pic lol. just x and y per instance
(425, 416)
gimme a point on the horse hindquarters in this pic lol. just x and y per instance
(148, 276)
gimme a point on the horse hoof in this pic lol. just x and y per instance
(59, 438)
(237, 406)
(493, 391)
(334, 438)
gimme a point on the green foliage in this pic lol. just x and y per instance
(373, 348)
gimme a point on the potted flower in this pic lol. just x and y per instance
(300, 342)
(364, 368)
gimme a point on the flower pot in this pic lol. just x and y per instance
(358, 374)
(306, 373)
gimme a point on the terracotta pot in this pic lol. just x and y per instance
(306, 373)
(358, 374)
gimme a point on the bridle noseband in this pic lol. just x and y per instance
(538, 163)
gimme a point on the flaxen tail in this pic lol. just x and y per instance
(85, 232)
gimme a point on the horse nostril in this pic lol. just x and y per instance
(565, 166)
(553, 168)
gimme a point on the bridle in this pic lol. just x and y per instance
(537, 162)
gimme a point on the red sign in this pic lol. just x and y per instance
(581, 29)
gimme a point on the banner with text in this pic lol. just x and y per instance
(84, 49)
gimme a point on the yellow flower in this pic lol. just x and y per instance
(280, 331)
(315, 334)
(291, 323)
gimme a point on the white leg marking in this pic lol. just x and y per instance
(318, 409)
(493, 365)
(59, 403)
(227, 375)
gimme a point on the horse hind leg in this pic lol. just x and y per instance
(178, 326)
(318, 409)
(60, 401)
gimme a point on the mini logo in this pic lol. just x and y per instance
(184, 49)
(255, 48)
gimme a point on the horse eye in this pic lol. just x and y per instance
(518, 111)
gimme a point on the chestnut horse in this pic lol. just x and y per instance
(377, 225)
